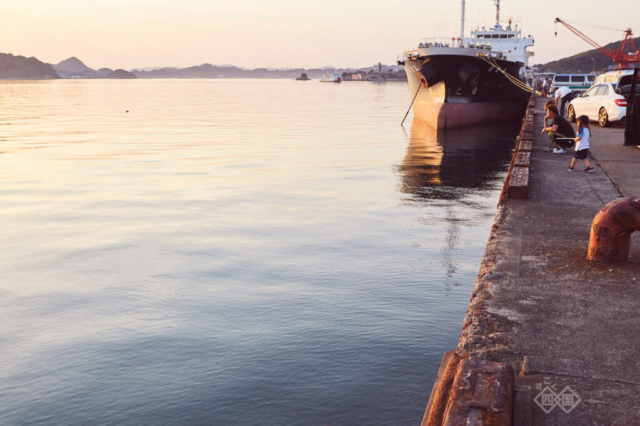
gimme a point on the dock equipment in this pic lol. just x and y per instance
(622, 58)
(611, 230)
(470, 391)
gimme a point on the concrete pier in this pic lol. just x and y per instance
(569, 328)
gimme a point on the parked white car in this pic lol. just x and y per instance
(601, 103)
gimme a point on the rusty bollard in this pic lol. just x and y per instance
(473, 392)
(611, 230)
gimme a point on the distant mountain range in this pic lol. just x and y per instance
(227, 71)
(19, 67)
(75, 68)
(583, 62)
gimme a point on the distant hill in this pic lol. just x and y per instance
(19, 67)
(225, 71)
(215, 71)
(105, 71)
(72, 64)
(582, 62)
(121, 74)
(75, 68)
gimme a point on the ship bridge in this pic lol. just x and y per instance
(509, 42)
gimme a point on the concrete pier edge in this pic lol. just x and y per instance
(520, 270)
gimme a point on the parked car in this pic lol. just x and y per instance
(626, 90)
(573, 80)
(624, 85)
(614, 77)
(602, 103)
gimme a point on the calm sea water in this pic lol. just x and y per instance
(233, 252)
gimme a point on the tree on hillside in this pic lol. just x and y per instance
(584, 62)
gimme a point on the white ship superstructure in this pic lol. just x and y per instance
(463, 80)
(506, 40)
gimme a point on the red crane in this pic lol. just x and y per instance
(622, 58)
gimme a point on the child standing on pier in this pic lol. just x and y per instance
(582, 144)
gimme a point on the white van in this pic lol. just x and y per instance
(578, 83)
(613, 77)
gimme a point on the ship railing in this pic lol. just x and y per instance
(494, 55)
(409, 55)
(438, 42)
(434, 42)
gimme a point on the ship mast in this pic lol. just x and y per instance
(462, 25)
(497, 3)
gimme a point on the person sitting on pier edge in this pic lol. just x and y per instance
(547, 119)
(563, 96)
(561, 132)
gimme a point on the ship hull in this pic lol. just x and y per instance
(463, 90)
(452, 115)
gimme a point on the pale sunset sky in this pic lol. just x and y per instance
(282, 33)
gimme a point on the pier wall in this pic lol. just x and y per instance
(566, 327)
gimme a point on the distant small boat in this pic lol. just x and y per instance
(303, 77)
(331, 78)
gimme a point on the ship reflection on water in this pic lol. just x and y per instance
(451, 164)
(455, 170)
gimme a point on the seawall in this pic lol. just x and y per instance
(566, 328)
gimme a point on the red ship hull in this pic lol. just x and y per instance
(451, 115)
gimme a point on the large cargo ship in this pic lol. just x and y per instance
(463, 81)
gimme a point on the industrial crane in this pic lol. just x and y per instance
(622, 58)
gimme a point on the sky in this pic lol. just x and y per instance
(283, 33)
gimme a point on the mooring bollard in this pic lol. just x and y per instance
(611, 230)
(472, 392)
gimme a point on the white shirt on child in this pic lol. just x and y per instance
(584, 142)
